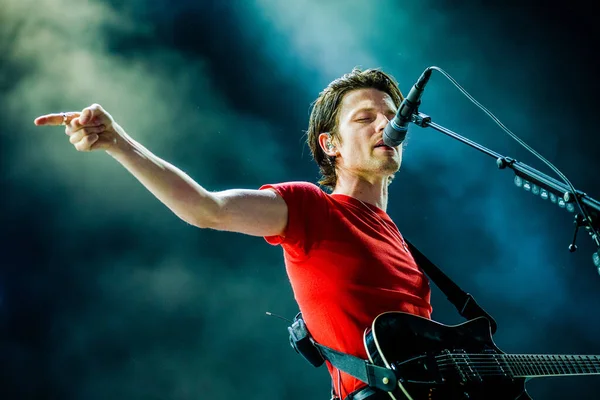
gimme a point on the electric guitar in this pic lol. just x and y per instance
(433, 361)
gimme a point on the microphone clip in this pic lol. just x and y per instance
(420, 119)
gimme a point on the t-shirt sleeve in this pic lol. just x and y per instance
(307, 207)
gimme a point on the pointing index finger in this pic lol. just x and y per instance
(55, 119)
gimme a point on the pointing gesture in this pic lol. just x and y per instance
(91, 129)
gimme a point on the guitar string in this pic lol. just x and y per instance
(525, 367)
(520, 364)
(520, 361)
(499, 374)
(541, 364)
(495, 373)
(586, 365)
(515, 370)
(494, 365)
(595, 357)
(499, 360)
(450, 362)
(526, 359)
(490, 372)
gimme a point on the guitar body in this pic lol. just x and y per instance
(433, 361)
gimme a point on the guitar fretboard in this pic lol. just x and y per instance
(530, 365)
(522, 365)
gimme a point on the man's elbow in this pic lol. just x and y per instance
(206, 216)
(202, 221)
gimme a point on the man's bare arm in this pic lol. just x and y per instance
(253, 212)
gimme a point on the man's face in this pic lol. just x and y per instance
(363, 115)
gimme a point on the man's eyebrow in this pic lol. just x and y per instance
(368, 109)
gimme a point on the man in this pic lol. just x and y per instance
(346, 259)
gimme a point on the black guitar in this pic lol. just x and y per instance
(433, 361)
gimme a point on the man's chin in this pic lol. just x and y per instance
(392, 166)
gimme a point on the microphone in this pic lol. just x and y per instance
(395, 131)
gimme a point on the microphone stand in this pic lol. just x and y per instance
(538, 183)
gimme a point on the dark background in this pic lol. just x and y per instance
(104, 293)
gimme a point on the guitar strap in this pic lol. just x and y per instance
(464, 302)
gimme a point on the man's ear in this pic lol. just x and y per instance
(327, 145)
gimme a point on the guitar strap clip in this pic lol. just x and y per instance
(302, 342)
(316, 354)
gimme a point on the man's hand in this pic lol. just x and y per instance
(91, 129)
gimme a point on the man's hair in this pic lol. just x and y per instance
(324, 116)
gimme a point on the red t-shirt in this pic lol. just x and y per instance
(347, 263)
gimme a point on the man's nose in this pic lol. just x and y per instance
(382, 121)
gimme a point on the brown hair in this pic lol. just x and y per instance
(325, 112)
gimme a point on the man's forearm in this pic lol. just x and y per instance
(186, 198)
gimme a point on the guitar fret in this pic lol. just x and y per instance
(508, 368)
(553, 365)
(516, 365)
(558, 365)
(589, 364)
(544, 365)
(508, 360)
(563, 364)
(592, 363)
(549, 365)
(521, 365)
(569, 364)
(541, 365)
(529, 360)
(577, 365)
(584, 366)
(566, 365)
(586, 360)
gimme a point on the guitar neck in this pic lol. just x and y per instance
(537, 365)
